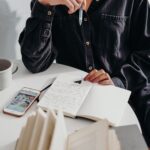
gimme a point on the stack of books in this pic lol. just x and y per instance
(47, 131)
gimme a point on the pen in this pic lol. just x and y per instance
(80, 15)
(43, 91)
(49, 85)
(46, 87)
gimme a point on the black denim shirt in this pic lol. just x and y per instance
(114, 36)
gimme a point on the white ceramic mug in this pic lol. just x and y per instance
(5, 73)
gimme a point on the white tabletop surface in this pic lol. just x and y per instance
(10, 126)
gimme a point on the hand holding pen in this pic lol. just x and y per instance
(73, 5)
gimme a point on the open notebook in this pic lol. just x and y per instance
(47, 131)
(85, 99)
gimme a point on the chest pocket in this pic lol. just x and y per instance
(113, 31)
(113, 34)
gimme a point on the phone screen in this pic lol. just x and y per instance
(22, 100)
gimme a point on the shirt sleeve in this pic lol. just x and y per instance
(42, 12)
(35, 40)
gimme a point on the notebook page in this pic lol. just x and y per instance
(66, 95)
(105, 102)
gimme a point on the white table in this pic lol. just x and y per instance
(10, 126)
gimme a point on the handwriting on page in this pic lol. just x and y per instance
(67, 96)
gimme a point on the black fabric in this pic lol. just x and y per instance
(114, 36)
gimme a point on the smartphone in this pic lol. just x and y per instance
(21, 102)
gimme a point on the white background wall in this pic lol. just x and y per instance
(13, 14)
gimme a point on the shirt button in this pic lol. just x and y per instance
(87, 43)
(49, 13)
(85, 19)
(90, 68)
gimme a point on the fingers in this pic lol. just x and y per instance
(79, 1)
(84, 4)
(94, 74)
(73, 5)
(90, 74)
(76, 5)
(99, 76)
(106, 82)
(70, 6)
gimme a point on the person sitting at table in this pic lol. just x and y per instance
(112, 43)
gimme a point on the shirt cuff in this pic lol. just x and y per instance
(117, 82)
(42, 12)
